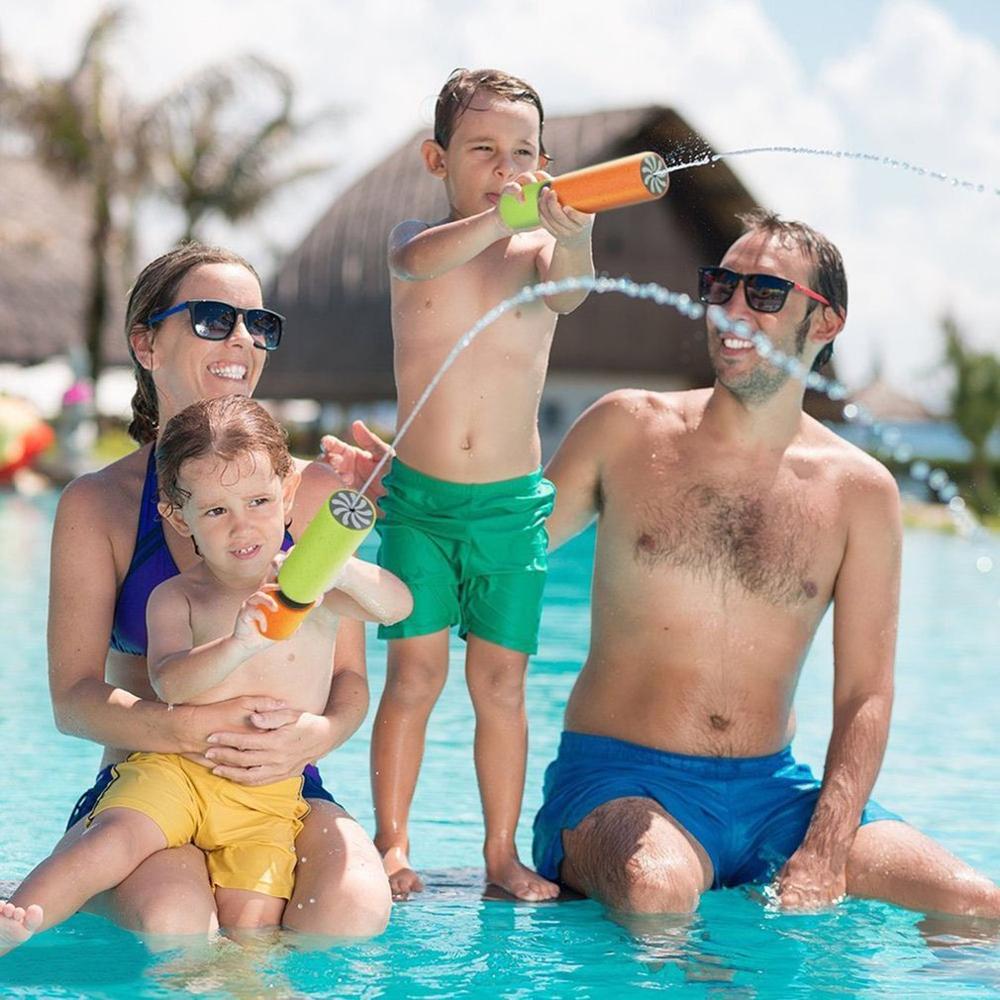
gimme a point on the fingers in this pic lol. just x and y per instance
(367, 438)
(275, 720)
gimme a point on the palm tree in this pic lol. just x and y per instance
(220, 140)
(975, 406)
(78, 126)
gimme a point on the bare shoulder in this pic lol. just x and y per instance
(863, 481)
(107, 499)
(632, 408)
(404, 231)
(170, 593)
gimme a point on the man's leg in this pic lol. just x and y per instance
(495, 676)
(894, 862)
(416, 671)
(633, 857)
(340, 885)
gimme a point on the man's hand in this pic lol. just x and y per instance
(355, 464)
(810, 882)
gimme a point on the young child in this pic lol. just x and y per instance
(466, 501)
(226, 480)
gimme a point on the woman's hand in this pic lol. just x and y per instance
(277, 744)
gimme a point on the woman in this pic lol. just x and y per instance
(110, 549)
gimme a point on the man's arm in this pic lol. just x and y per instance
(577, 466)
(866, 609)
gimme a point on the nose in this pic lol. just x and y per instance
(240, 334)
(505, 165)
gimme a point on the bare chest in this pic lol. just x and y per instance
(771, 540)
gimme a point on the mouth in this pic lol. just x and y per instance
(492, 198)
(230, 371)
(247, 552)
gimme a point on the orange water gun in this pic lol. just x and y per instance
(615, 184)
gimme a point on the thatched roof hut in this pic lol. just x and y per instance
(334, 288)
(44, 266)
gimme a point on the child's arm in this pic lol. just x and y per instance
(418, 252)
(571, 256)
(369, 593)
(177, 670)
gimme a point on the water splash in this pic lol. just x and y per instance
(889, 439)
(841, 154)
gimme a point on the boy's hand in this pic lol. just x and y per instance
(566, 224)
(251, 621)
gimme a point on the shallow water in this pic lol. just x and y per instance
(941, 773)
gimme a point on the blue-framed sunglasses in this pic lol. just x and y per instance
(213, 320)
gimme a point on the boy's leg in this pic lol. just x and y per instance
(495, 676)
(118, 841)
(416, 671)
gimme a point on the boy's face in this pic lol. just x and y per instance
(493, 142)
(236, 512)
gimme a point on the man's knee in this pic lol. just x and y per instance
(655, 886)
(358, 906)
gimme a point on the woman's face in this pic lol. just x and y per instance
(186, 368)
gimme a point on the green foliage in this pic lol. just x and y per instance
(975, 407)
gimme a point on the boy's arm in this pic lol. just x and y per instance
(177, 670)
(571, 256)
(418, 252)
(369, 593)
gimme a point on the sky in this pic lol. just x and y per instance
(914, 80)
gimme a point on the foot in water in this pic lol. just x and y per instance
(520, 881)
(402, 878)
(17, 925)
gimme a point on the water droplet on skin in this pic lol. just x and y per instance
(312, 900)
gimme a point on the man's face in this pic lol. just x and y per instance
(493, 143)
(737, 364)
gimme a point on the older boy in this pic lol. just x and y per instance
(466, 500)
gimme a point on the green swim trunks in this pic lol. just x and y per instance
(473, 554)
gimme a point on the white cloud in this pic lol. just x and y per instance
(912, 85)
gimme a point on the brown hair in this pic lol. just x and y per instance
(461, 87)
(829, 277)
(229, 427)
(153, 291)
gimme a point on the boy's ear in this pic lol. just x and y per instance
(435, 158)
(141, 339)
(289, 487)
(172, 514)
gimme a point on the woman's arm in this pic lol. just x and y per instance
(286, 739)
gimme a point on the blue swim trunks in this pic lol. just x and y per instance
(748, 813)
(312, 788)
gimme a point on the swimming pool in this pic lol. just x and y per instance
(942, 772)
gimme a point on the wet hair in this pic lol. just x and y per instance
(461, 87)
(153, 291)
(828, 278)
(228, 428)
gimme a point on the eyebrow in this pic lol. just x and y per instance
(491, 138)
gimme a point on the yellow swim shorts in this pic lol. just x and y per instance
(247, 833)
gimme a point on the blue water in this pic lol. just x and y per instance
(941, 773)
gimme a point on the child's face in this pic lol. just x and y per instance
(236, 512)
(493, 142)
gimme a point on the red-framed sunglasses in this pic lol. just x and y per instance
(766, 293)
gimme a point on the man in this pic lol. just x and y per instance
(728, 520)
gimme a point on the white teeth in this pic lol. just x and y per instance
(244, 551)
(237, 372)
(736, 345)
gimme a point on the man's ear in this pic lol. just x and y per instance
(141, 339)
(172, 514)
(289, 487)
(435, 158)
(827, 325)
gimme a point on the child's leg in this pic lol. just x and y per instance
(118, 841)
(495, 676)
(244, 909)
(417, 670)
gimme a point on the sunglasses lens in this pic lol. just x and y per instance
(767, 293)
(716, 285)
(265, 327)
(213, 320)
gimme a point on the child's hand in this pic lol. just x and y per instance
(515, 189)
(566, 224)
(355, 464)
(251, 621)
